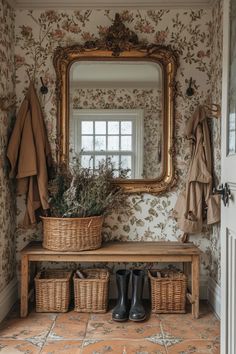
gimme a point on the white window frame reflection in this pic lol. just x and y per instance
(135, 116)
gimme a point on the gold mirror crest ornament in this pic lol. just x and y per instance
(120, 43)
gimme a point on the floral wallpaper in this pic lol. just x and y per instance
(148, 100)
(7, 196)
(190, 32)
(216, 82)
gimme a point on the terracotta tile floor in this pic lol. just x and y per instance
(74, 333)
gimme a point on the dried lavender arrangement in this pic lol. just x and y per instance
(81, 192)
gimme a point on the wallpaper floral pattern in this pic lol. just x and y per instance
(148, 100)
(7, 198)
(39, 32)
(216, 82)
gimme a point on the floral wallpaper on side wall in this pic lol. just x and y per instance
(7, 196)
(39, 32)
(216, 83)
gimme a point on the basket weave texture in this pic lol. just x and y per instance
(91, 293)
(72, 234)
(52, 290)
(168, 293)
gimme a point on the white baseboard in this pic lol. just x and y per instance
(8, 298)
(214, 295)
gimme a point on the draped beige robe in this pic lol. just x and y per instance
(197, 202)
(30, 156)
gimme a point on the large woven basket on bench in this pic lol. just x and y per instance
(168, 292)
(72, 234)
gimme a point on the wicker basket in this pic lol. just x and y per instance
(52, 290)
(91, 293)
(168, 293)
(72, 234)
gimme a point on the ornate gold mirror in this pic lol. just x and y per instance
(116, 101)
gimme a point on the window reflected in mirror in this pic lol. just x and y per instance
(116, 112)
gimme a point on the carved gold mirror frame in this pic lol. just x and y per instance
(120, 43)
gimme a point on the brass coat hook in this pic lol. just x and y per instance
(190, 90)
(44, 88)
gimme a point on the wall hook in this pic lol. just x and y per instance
(43, 89)
(190, 90)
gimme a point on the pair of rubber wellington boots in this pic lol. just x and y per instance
(122, 311)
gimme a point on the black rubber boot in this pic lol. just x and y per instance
(137, 311)
(120, 312)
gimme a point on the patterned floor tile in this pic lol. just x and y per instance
(75, 333)
(195, 347)
(121, 347)
(33, 328)
(102, 326)
(71, 325)
(207, 327)
(12, 346)
(62, 347)
(123, 330)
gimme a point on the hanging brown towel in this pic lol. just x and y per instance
(192, 203)
(30, 155)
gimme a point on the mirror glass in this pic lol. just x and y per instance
(116, 111)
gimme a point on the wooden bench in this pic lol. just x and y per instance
(167, 252)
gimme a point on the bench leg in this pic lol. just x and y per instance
(195, 285)
(24, 286)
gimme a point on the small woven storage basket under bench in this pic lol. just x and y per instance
(168, 292)
(52, 290)
(91, 293)
(72, 234)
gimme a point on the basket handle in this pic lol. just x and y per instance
(190, 298)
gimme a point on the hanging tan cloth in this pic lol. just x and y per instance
(197, 198)
(30, 156)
